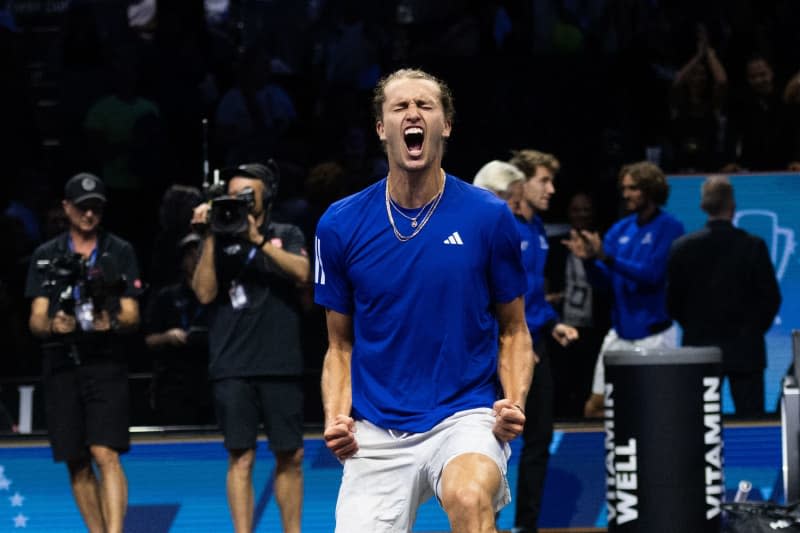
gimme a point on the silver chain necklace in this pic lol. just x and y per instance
(434, 202)
(420, 211)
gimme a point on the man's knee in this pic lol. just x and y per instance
(469, 485)
(80, 469)
(289, 460)
(104, 456)
(241, 460)
(466, 499)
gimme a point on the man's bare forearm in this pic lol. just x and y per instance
(204, 280)
(336, 391)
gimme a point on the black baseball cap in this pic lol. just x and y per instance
(84, 186)
(256, 171)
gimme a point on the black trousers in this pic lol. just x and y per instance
(536, 436)
(747, 390)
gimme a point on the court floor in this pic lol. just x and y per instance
(177, 484)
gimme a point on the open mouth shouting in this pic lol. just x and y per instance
(414, 136)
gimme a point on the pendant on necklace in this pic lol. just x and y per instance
(413, 222)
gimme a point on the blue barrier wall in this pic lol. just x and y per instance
(179, 487)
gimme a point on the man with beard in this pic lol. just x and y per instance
(632, 261)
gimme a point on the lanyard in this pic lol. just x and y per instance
(76, 289)
(92, 256)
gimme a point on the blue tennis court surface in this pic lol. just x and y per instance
(180, 486)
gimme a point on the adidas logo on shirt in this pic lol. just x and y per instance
(454, 238)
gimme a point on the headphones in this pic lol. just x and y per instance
(271, 182)
(268, 173)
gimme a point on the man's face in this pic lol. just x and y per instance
(539, 188)
(759, 77)
(237, 185)
(413, 127)
(84, 216)
(632, 194)
(579, 212)
(513, 196)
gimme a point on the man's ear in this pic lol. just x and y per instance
(380, 130)
(448, 127)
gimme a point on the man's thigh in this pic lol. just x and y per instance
(237, 408)
(66, 427)
(383, 484)
(393, 473)
(469, 432)
(106, 398)
(282, 411)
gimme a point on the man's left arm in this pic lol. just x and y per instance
(514, 368)
(296, 266)
(288, 258)
(127, 317)
(648, 268)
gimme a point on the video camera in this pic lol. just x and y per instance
(86, 288)
(228, 214)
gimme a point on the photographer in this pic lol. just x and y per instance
(176, 331)
(248, 274)
(83, 284)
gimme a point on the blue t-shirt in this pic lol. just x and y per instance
(425, 334)
(538, 311)
(638, 272)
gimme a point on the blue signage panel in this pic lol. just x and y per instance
(767, 206)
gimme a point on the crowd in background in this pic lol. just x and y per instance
(123, 89)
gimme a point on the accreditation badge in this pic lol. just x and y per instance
(238, 296)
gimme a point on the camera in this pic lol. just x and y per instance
(86, 287)
(228, 215)
(63, 272)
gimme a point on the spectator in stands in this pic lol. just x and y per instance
(723, 292)
(124, 136)
(632, 262)
(253, 115)
(762, 134)
(791, 97)
(697, 102)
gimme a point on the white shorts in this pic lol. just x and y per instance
(393, 472)
(666, 339)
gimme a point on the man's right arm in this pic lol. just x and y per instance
(204, 279)
(39, 321)
(42, 326)
(336, 386)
